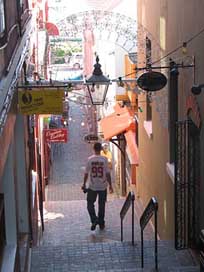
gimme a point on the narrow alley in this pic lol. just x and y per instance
(84, 79)
(68, 244)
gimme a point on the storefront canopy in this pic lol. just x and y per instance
(52, 29)
(118, 122)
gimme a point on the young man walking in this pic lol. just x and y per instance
(99, 178)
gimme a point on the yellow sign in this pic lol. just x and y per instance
(40, 101)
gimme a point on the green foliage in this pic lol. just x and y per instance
(61, 51)
(59, 61)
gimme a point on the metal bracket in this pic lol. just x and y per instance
(115, 140)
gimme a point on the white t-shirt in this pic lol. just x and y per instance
(97, 167)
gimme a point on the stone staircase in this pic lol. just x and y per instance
(111, 257)
(69, 245)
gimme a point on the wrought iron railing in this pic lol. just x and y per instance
(151, 209)
(187, 185)
(128, 202)
(202, 251)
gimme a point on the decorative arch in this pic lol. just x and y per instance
(109, 26)
(106, 25)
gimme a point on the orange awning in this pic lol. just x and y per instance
(118, 122)
(132, 147)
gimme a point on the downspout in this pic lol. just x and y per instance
(122, 144)
(173, 107)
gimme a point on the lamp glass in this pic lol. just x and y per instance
(97, 92)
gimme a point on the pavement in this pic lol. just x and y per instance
(68, 244)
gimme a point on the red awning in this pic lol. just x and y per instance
(132, 147)
(118, 122)
(52, 29)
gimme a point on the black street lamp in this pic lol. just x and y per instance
(97, 85)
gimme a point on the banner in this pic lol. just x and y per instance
(59, 135)
(40, 101)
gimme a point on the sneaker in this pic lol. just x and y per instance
(93, 226)
(102, 226)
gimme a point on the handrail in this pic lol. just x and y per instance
(202, 250)
(151, 209)
(130, 199)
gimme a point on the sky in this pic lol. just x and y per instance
(68, 7)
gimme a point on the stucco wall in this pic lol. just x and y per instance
(169, 23)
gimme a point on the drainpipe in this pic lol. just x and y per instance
(122, 144)
(173, 107)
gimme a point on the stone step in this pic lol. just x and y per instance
(110, 256)
(68, 221)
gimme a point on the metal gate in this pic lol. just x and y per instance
(187, 185)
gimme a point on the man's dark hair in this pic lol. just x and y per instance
(97, 147)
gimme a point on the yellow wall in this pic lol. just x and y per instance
(168, 23)
(130, 71)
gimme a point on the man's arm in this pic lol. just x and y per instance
(108, 176)
(85, 180)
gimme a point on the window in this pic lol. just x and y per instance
(148, 64)
(148, 52)
(21, 5)
(2, 17)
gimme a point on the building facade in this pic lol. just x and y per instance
(19, 168)
(170, 128)
(15, 32)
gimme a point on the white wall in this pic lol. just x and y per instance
(22, 184)
(9, 199)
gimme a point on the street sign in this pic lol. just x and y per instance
(152, 81)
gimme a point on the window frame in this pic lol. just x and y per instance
(3, 34)
(2, 18)
(148, 46)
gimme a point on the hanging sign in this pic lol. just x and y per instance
(40, 101)
(59, 135)
(152, 81)
(91, 138)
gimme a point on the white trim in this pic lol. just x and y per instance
(148, 127)
(170, 168)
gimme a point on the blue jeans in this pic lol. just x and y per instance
(91, 199)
